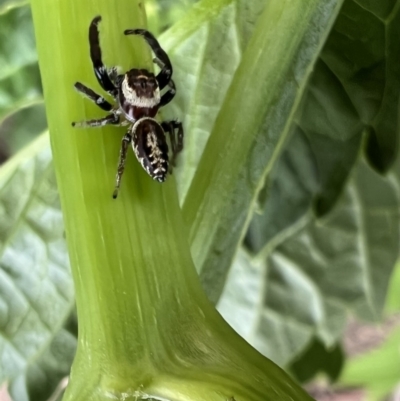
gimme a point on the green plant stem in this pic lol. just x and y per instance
(251, 129)
(146, 328)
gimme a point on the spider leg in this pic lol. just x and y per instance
(161, 59)
(111, 119)
(176, 138)
(113, 73)
(95, 54)
(126, 140)
(93, 96)
(169, 95)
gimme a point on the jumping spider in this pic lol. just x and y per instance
(138, 98)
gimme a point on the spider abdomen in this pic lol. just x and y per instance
(151, 148)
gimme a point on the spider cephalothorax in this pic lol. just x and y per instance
(137, 95)
(139, 90)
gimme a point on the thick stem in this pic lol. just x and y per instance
(145, 325)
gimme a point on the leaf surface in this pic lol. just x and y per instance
(51, 368)
(344, 99)
(314, 271)
(36, 289)
(19, 72)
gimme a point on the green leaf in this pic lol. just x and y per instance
(363, 51)
(28, 279)
(24, 124)
(314, 271)
(353, 89)
(243, 306)
(20, 87)
(17, 42)
(36, 294)
(310, 177)
(7, 5)
(334, 130)
(289, 193)
(349, 255)
(51, 367)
